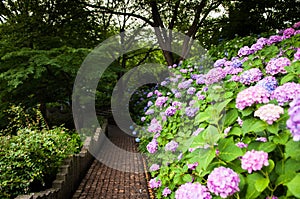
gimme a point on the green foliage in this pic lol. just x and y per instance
(29, 160)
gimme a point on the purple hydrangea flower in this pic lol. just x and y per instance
(269, 83)
(192, 191)
(297, 55)
(223, 182)
(170, 111)
(154, 183)
(286, 92)
(183, 70)
(250, 96)
(276, 66)
(200, 96)
(274, 39)
(191, 91)
(143, 119)
(257, 46)
(160, 101)
(154, 167)
(150, 94)
(200, 79)
(296, 25)
(215, 75)
(236, 63)
(155, 126)
(191, 112)
(152, 146)
(177, 104)
(171, 146)
(220, 62)
(244, 51)
(193, 166)
(293, 123)
(261, 139)
(149, 112)
(186, 84)
(166, 192)
(241, 145)
(226, 131)
(177, 95)
(254, 160)
(287, 33)
(250, 76)
(240, 121)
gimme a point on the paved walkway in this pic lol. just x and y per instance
(104, 182)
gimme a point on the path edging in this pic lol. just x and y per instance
(72, 170)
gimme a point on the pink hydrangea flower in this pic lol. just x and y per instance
(155, 126)
(254, 160)
(170, 111)
(250, 76)
(269, 113)
(154, 183)
(276, 66)
(252, 95)
(287, 33)
(154, 167)
(297, 55)
(286, 92)
(215, 75)
(223, 182)
(240, 121)
(171, 146)
(160, 101)
(273, 197)
(193, 166)
(241, 145)
(166, 192)
(296, 25)
(244, 51)
(192, 191)
(152, 146)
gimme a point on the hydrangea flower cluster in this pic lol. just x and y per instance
(276, 66)
(191, 112)
(166, 192)
(154, 183)
(293, 123)
(154, 167)
(185, 85)
(152, 146)
(215, 75)
(286, 92)
(170, 111)
(269, 113)
(223, 182)
(244, 51)
(241, 145)
(254, 160)
(250, 76)
(160, 101)
(297, 55)
(171, 146)
(269, 83)
(192, 191)
(155, 126)
(250, 96)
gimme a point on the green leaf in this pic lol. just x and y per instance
(284, 178)
(293, 186)
(211, 135)
(292, 149)
(236, 131)
(247, 111)
(274, 128)
(261, 184)
(271, 166)
(221, 106)
(281, 138)
(267, 146)
(287, 78)
(187, 178)
(253, 125)
(252, 192)
(204, 157)
(230, 117)
(228, 150)
(201, 117)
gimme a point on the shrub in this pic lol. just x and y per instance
(237, 118)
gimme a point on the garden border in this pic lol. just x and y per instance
(72, 170)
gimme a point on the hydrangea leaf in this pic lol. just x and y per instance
(230, 117)
(253, 125)
(228, 150)
(252, 192)
(261, 184)
(293, 186)
(292, 149)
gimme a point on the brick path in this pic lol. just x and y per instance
(104, 182)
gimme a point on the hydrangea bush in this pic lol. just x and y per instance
(231, 131)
